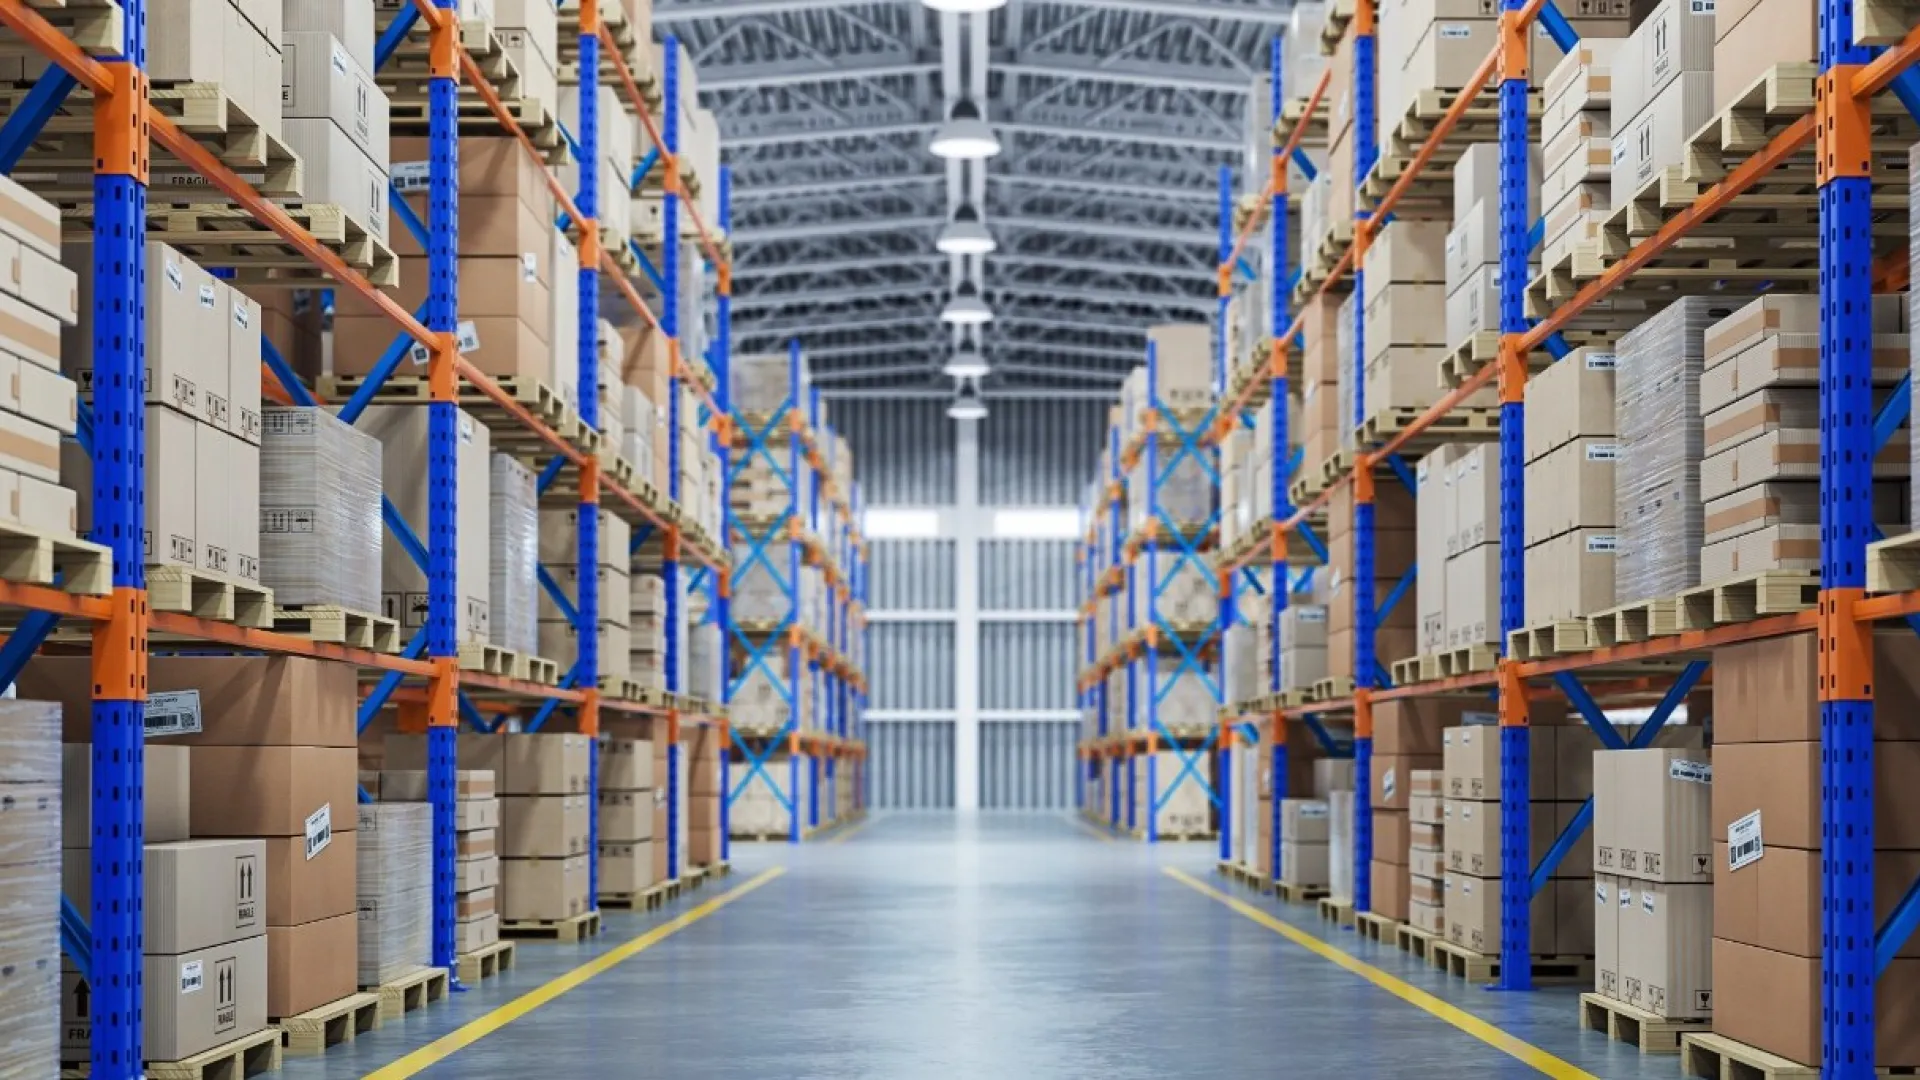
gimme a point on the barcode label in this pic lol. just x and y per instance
(1456, 31)
(409, 176)
(1646, 900)
(1744, 845)
(1602, 545)
(1698, 772)
(1312, 614)
(1387, 783)
(1312, 809)
(319, 830)
(467, 336)
(1626, 896)
(1603, 451)
(173, 712)
(193, 977)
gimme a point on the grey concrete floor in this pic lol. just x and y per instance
(1003, 947)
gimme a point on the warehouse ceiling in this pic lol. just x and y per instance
(1114, 117)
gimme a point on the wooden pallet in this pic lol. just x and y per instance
(1430, 194)
(509, 434)
(344, 626)
(542, 670)
(1377, 927)
(407, 74)
(227, 237)
(207, 595)
(1334, 688)
(1557, 638)
(313, 1031)
(580, 926)
(1483, 348)
(1416, 941)
(1651, 1033)
(486, 961)
(1749, 597)
(1467, 660)
(1299, 894)
(1412, 670)
(1464, 963)
(1893, 564)
(1465, 424)
(1716, 1057)
(31, 557)
(493, 660)
(1337, 912)
(1642, 620)
(410, 992)
(252, 1055)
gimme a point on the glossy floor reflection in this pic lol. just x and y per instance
(1003, 947)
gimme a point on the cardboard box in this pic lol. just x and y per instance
(1303, 821)
(342, 173)
(1407, 252)
(1656, 138)
(198, 1000)
(521, 764)
(303, 887)
(312, 964)
(543, 888)
(1771, 1001)
(1391, 890)
(1652, 810)
(1571, 575)
(1303, 864)
(1414, 726)
(1666, 960)
(1473, 915)
(1392, 836)
(474, 904)
(1606, 893)
(1470, 760)
(543, 826)
(626, 764)
(1765, 691)
(227, 504)
(197, 894)
(1773, 902)
(627, 867)
(1473, 837)
(167, 770)
(626, 816)
(1393, 777)
(403, 434)
(473, 935)
(303, 791)
(1570, 487)
(350, 21)
(472, 814)
(479, 844)
(321, 80)
(245, 325)
(480, 873)
(1780, 783)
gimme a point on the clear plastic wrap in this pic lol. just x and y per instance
(394, 889)
(762, 383)
(1301, 60)
(320, 527)
(514, 536)
(1340, 846)
(1658, 513)
(1348, 373)
(30, 974)
(1182, 497)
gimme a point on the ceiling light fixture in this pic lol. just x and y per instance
(967, 404)
(966, 234)
(965, 7)
(967, 361)
(966, 308)
(965, 136)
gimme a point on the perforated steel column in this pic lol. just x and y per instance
(586, 632)
(670, 326)
(1277, 588)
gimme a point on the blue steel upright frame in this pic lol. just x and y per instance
(1365, 43)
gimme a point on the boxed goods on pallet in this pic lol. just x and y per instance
(351, 22)
(627, 796)
(1426, 853)
(1473, 244)
(337, 122)
(616, 146)
(39, 297)
(1766, 835)
(1185, 808)
(1303, 843)
(1652, 848)
(1575, 130)
(320, 526)
(395, 889)
(403, 434)
(40, 812)
(1662, 92)
(1569, 518)
(476, 867)
(234, 46)
(513, 536)
(530, 33)
(756, 811)
(701, 754)
(1340, 846)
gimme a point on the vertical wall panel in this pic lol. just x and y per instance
(1028, 575)
(912, 764)
(911, 575)
(1040, 451)
(912, 666)
(903, 450)
(1026, 666)
(1027, 765)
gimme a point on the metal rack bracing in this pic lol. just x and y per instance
(107, 939)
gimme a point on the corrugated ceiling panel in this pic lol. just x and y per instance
(1026, 765)
(911, 575)
(1039, 452)
(1026, 666)
(903, 449)
(912, 666)
(912, 763)
(1028, 575)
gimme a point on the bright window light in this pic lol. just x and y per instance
(902, 524)
(1050, 524)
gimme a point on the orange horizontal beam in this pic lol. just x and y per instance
(54, 601)
(485, 384)
(1886, 67)
(668, 161)
(269, 641)
(521, 687)
(1890, 606)
(1448, 121)
(1675, 646)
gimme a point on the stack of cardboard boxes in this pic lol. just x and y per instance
(701, 752)
(530, 32)
(1427, 852)
(1576, 129)
(1405, 312)
(395, 889)
(513, 536)
(320, 527)
(38, 298)
(1406, 740)
(1393, 554)
(1766, 844)
(544, 822)
(1471, 615)
(559, 552)
(403, 433)
(1657, 512)
(44, 811)
(1315, 787)
(1321, 421)
(476, 867)
(337, 117)
(1570, 447)
(1653, 852)
(627, 798)
(476, 884)
(1760, 414)
(233, 45)
(203, 416)
(1662, 92)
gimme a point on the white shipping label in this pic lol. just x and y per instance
(1646, 900)
(209, 296)
(1457, 31)
(173, 712)
(467, 336)
(1626, 896)
(409, 176)
(1743, 842)
(1600, 893)
(1602, 361)
(1386, 783)
(1603, 451)
(193, 978)
(529, 266)
(319, 830)
(175, 277)
(1698, 772)
(466, 428)
(1311, 810)
(1603, 545)
(242, 317)
(419, 354)
(1312, 614)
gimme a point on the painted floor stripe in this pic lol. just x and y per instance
(447, 1045)
(841, 836)
(1524, 1051)
(1092, 830)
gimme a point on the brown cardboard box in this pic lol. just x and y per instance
(1431, 918)
(543, 888)
(1426, 810)
(1392, 836)
(543, 826)
(1604, 908)
(473, 904)
(1471, 762)
(1781, 782)
(1391, 890)
(302, 888)
(1773, 902)
(403, 434)
(1428, 863)
(483, 844)
(488, 167)
(470, 815)
(1666, 938)
(244, 701)
(626, 764)
(311, 964)
(1569, 488)
(197, 893)
(1573, 749)
(168, 529)
(167, 769)
(1657, 818)
(703, 811)
(1570, 575)
(273, 790)
(1771, 1001)
(481, 873)
(626, 816)
(195, 1001)
(1413, 726)
(1473, 915)
(521, 764)
(476, 934)
(626, 868)
(703, 847)
(410, 785)
(1393, 777)
(1473, 837)
(1764, 691)
(1303, 864)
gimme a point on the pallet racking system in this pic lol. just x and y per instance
(106, 941)
(1833, 141)
(794, 441)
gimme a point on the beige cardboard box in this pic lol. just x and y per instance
(543, 888)
(43, 395)
(480, 873)
(1656, 137)
(224, 486)
(1658, 805)
(1470, 762)
(29, 447)
(1393, 777)
(474, 904)
(1303, 821)
(1475, 483)
(626, 867)
(1607, 891)
(350, 21)
(1770, 410)
(311, 964)
(1391, 888)
(1773, 902)
(1473, 837)
(472, 935)
(1473, 305)
(1777, 547)
(521, 764)
(1474, 243)
(273, 791)
(197, 894)
(29, 332)
(1409, 315)
(472, 814)
(166, 768)
(1473, 914)
(1570, 488)
(342, 173)
(1666, 949)
(626, 764)
(194, 1001)
(321, 80)
(29, 219)
(403, 434)
(626, 816)
(245, 324)
(1427, 862)
(479, 844)
(303, 887)
(543, 826)
(1473, 596)
(169, 525)
(1431, 918)
(1570, 575)
(1571, 398)
(1406, 252)
(45, 507)
(1303, 864)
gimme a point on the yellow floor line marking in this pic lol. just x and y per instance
(1091, 830)
(842, 835)
(1480, 1029)
(444, 1047)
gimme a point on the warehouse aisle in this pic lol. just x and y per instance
(991, 947)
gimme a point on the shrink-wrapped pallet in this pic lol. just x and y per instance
(30, 828)
(1340, 846)
(762, 383)
(513, 587)
(320, 527)
(394, 889)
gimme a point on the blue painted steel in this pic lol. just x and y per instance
(46, 97)
(1397, 593)
(1334, 747)
(402, 347)
(1564, 36)
(1312, 537)
(76, 941)
(383, 690)
(403, 210)
(586, 621)
(283, 372)
(394, 34)
(1589, 710)
(558, 596)
(403, 532)
(646, 165)
(1893, 413)
(555, 466)
(1404, 473)
(1894, 933)
(1906, 87)
(23, 642)
(646, 266)
(1305, 164)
